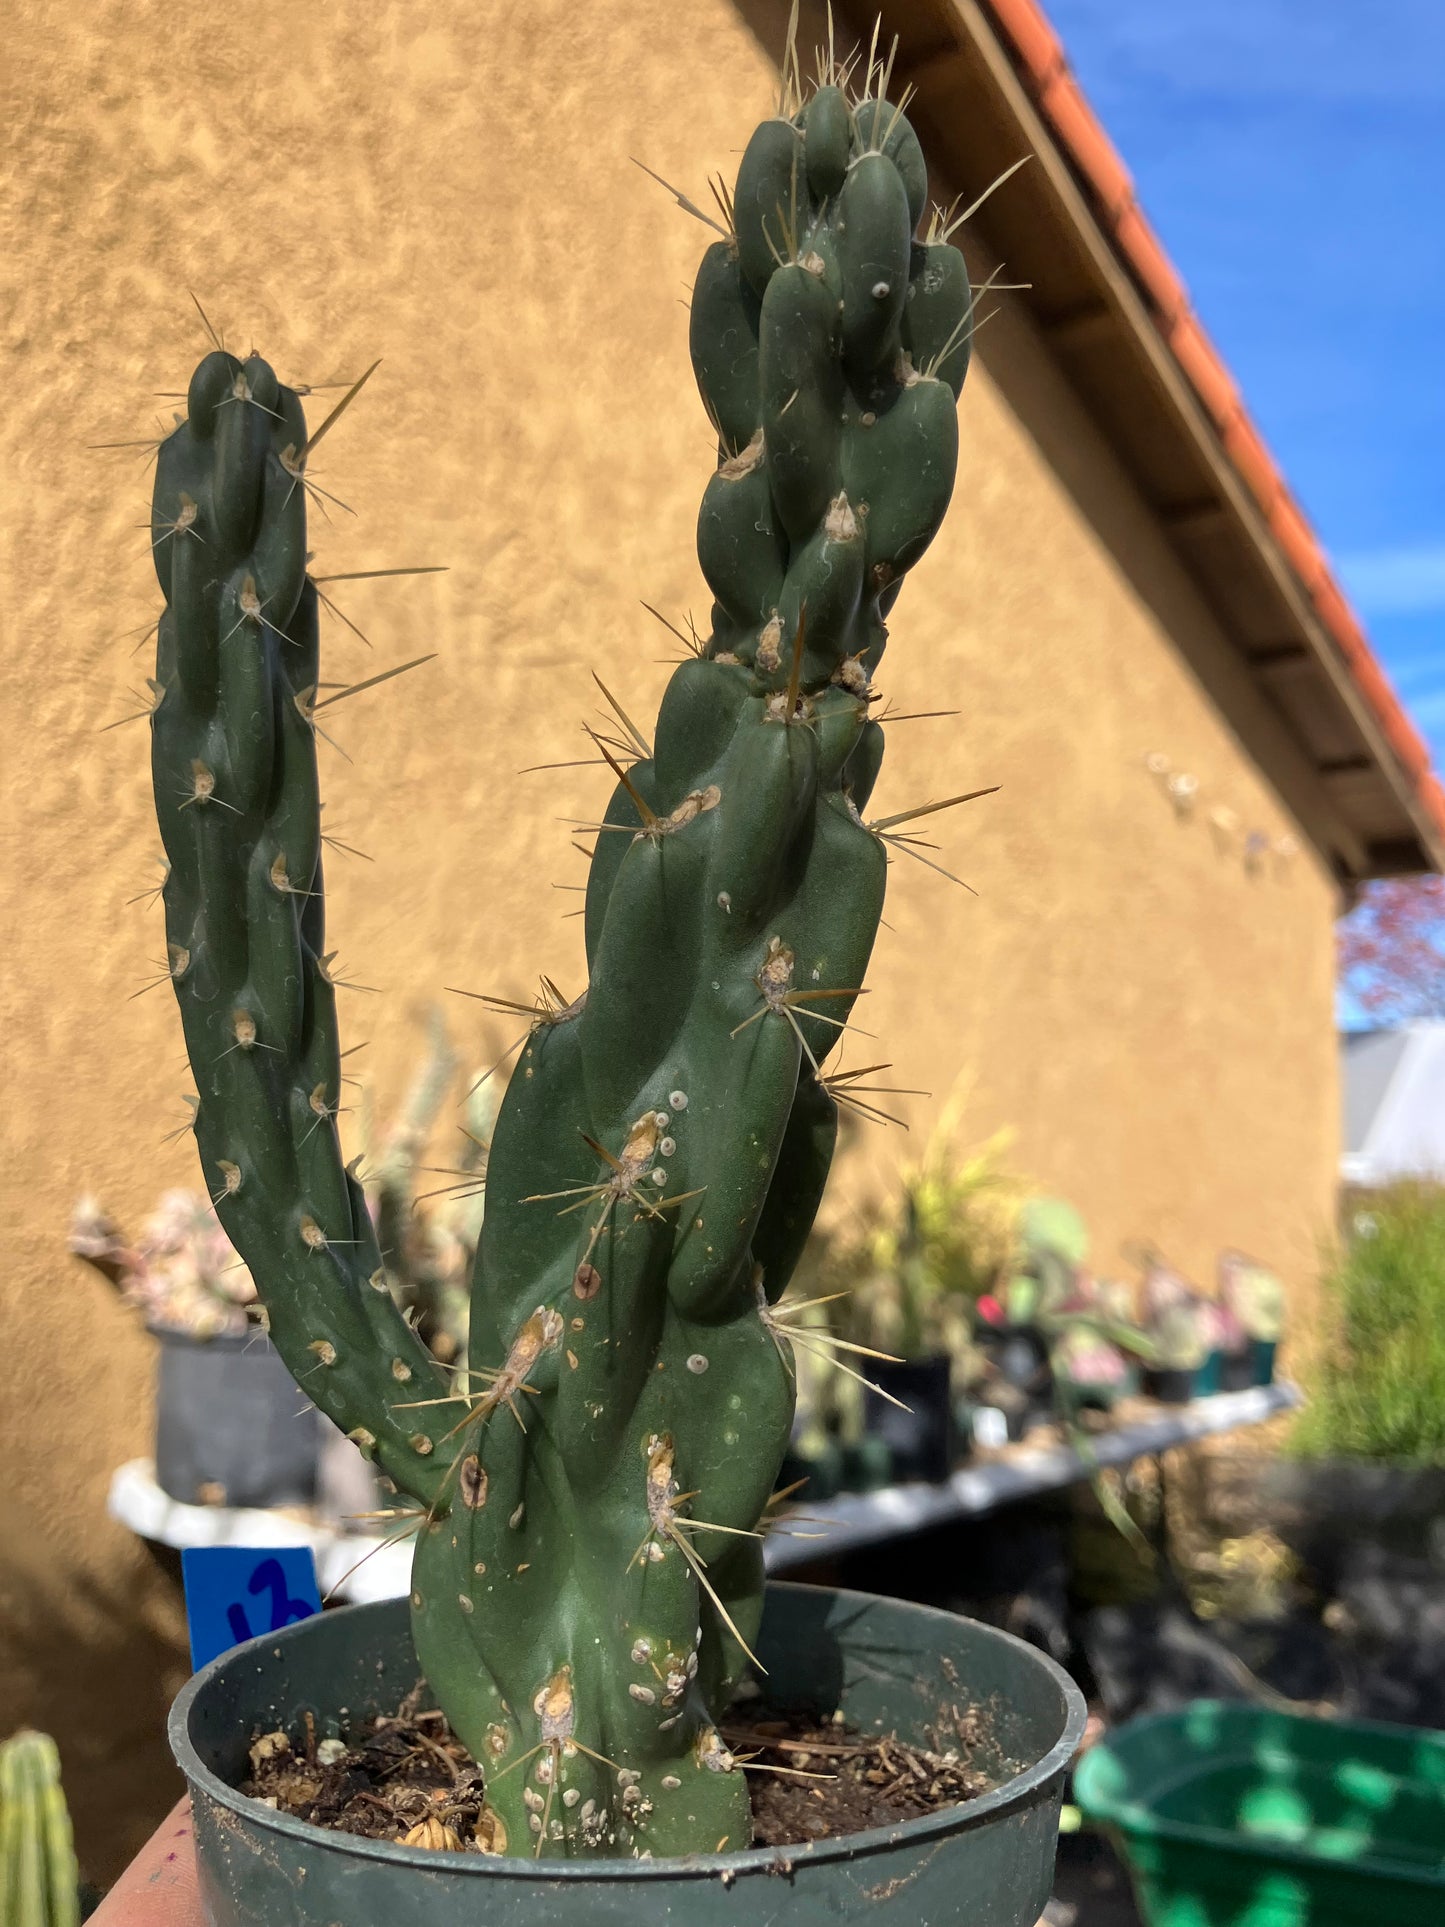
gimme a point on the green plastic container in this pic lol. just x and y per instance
(1237, 1816)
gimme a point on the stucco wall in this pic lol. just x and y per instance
(452, 189)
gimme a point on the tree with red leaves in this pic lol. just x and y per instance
(1392, 951)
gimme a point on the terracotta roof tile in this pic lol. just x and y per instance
(1041, 55)
(1144, 252)
(1213, 383)
(1339, 618)
(1405, 739)
(1080, 130)
(1295, 536)
(1034, 40)
(1245, 448)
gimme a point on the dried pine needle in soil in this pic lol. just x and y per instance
(408, 1778)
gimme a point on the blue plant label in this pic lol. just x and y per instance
(235, 1592)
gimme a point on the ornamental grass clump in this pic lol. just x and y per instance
(588, 1576)
(1377, 1390)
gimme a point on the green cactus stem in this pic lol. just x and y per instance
(588, 1574)
(39, 1880)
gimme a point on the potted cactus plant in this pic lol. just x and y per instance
(1064, 1339)
(1183, 1329)
(1180, 1349)
(1255, 1298)
(588, 1588)
(1091, 1370)
(1018, 1324)
(920, 1273)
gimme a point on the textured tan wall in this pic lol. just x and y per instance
(451, 189)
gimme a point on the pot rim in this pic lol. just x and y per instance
(1020, 1791)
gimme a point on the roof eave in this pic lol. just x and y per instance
(991, 85)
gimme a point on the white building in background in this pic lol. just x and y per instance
(1394, 1104)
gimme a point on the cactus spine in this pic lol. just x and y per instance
(39, 1881)
(588, 1576)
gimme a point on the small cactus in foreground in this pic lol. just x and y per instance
(39, 1881)
(588, 1574)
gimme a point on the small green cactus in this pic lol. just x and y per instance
(588, 1576)
(39, 1880)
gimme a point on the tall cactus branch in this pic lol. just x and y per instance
(588, 1578)
(234, 765)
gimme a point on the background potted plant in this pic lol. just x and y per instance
(587, 1586)
(230, 1428)
(1095, 1347)
(1182, 1329)
(1225, 1360)
(1255, 1297)
(908, 1282)
(1178, 1336)
(1061, 1337)
(1041, 1278)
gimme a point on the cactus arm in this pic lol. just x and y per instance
(234, 766)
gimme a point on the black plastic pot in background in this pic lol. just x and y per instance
(920, 1437)
(1236, 1370)
(1020, 1356)
(887, 1664)
(1170, 1384)
(231, 1427)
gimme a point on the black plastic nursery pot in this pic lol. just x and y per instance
(887, 1664)
(1020, 1356)
(1171, 1384)
(918, 1431)
(231, 1428)
(1237, 1370)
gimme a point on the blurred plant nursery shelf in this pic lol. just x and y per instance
(365, 1566)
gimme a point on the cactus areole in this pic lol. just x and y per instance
(588, 1569)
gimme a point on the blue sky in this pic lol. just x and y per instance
(1291, 154)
